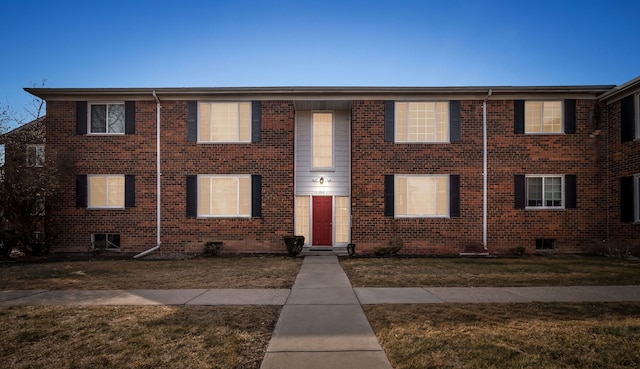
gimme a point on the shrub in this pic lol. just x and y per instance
(395, 245)
(213, 248)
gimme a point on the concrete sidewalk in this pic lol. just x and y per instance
(322, 325)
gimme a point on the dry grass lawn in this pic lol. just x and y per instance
(536, 336)
(135, 337)
(216, 272)
(491, 272)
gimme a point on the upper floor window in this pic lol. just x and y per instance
(107, 118)
(35, 155)
(637, 116)
(543, 117)
(1, 155)
(224, 122)
(422, 121)
(322, 140)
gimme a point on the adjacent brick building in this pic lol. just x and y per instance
(341, 165)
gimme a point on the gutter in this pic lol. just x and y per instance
(484, 170)
(158, 184)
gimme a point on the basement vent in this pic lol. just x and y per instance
(545, 244)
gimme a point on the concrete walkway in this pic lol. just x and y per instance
(322, 324)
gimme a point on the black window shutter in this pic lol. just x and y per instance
(389, 190)
(454, 196)
(256, 196)
(570, 193)
(129, 191)
(81, 117)
(454, 120)
(389, 120)
(129, 117)
(192, 121)
(627, 116)
(81, 191)
(256, 121)
(570, 116)
(518, 116)
(626, 199)
(192, 196)
(519, 187)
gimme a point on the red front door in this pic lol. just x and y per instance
(322, 220)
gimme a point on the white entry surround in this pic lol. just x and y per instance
(333, 179)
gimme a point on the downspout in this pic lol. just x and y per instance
(158, 185)
(484, 170)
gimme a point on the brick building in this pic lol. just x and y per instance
(177, 167)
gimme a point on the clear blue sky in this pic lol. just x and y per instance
(187, 43)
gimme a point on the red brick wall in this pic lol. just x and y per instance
(574, 229)
(623, 161)
(272, 158)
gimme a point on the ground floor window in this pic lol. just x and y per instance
(105, 241)
(224, 196)
(545, 244)
(342, 219)
(544, 191)
(421, 196)
(106, 191)
(303, 216)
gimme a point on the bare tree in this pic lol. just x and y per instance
(29, 177)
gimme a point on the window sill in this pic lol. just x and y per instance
(106, 134)
(537, 208)
(222, 142)
(422, 217)
(422, 142)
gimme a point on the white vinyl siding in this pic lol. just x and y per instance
(543, 117)
(422, 122)
(224, 196)
(336, 181)
(421, 196)
(224, 122)
(106, 191)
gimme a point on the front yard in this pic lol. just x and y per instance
(491, 272)
(216, 272)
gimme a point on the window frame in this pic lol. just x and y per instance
(107, 176)
(545, 207)
(422, 216)
(636, 198)
(407, 114)
(117, 248)
(333, 141)
(238, 122)
(107, 133)
(636, 118)
(39, 160)
(562, 123)
(236, 176)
